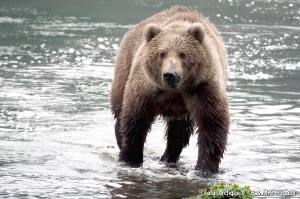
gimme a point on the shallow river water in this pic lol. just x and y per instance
(56, 128)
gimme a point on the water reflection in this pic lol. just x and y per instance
(56, 128)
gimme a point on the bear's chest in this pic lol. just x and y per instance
(170, 105)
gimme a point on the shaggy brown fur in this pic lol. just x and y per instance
(173, 64)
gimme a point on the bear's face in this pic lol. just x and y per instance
(174, 55)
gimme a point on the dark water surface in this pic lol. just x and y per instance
(56, 129)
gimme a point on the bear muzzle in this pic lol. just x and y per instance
(171, 77)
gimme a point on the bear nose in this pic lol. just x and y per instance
(171, 77)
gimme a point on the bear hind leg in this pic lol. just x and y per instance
(178, 135)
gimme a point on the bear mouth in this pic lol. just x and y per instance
(172, 86)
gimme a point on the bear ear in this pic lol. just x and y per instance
(151, 31)
(198, 31)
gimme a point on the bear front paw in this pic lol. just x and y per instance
(204, 171)
(133, 158)
(169, 158)
(208, 167)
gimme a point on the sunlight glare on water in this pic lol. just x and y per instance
(56, 128)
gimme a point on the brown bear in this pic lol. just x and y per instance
(174, 65)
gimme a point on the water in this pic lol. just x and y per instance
(56, 129)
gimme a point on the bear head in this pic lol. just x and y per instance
(174, 56)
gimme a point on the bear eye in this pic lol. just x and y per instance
(182, 55)
(162, 55)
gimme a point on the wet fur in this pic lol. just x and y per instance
(139, 93)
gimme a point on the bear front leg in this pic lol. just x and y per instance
(210, 110)
(135, 128)
(178, 135)
(136, 118)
